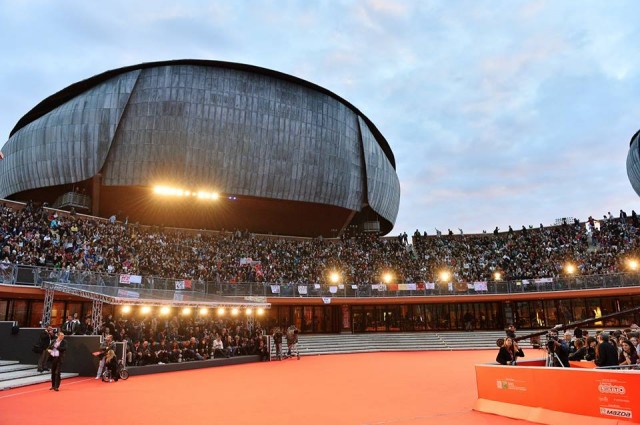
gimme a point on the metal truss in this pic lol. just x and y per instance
(252, 302)
(96, 316)
(48, 306)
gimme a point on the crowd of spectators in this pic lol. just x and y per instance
(42, 237)
(610, 349)
(162, 340)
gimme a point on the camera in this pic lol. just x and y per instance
(552, 340)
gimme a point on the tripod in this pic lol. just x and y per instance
(552, 358)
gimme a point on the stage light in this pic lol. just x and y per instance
(203, 311)
(234, 312)
(260, 311)
(186, 311)
(570, 268)
(126, 309)
(164, 310)
(633, 264)
(387, 277)
(145, 309)
(497, 276)
(214, 196)
(334, 277)
(221, 311)
(445, 276)
(248, 312)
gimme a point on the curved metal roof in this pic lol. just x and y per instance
(75, 89)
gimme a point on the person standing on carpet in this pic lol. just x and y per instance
(57, 351)
(46, 337)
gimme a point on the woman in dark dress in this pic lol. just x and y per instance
(509, 352)
(111, 363)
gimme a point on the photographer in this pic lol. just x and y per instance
(509, 352)
(558, 350)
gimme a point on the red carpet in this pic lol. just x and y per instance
(360, 389)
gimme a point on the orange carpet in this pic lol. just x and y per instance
(360, 389)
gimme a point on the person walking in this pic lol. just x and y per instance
(57, 351)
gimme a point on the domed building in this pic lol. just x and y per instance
(205, 144)
(633, 162)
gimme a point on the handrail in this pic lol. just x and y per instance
(14, 274)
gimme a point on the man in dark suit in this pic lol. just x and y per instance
(57, 351)
(46, 337)
(606, 353)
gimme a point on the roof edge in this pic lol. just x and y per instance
(75, 89)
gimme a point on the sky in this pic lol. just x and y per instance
(498, 112)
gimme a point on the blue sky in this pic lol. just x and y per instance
(497, 112)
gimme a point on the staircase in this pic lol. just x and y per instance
(419, 341)
(13, 375)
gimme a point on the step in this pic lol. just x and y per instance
(8, 362)
(16, 367)
(31, 380)
(25, 373)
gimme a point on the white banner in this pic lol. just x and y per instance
(179, 284)
(544, 280)
(429, 285)
(354, 286)
(333, 289)
(125, 279)
(134, 278)
(481, 286)
(302, 289)
(450, 286)
(406, 287)
(326, 300)
(316, 286)
(341, 286)
(275, 289)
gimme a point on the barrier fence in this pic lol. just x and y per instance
(12, 274)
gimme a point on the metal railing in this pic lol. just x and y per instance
(12, 274)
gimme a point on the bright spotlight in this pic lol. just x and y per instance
(570, 268)
(203, 311)
(164, 310)
(387, 277)
(186, 311)
(214, 195)
(445, 276)
(234, 312)
(126, 309)
(260, 311)
(248, 312)
(145, 309)
(334, 277)
(220, 311)
(633, 264)
(497, 276)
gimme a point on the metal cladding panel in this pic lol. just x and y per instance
(70, 143)
(383, 186)
(633, 165)
(240, 133)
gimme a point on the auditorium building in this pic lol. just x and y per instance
(195, 144)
